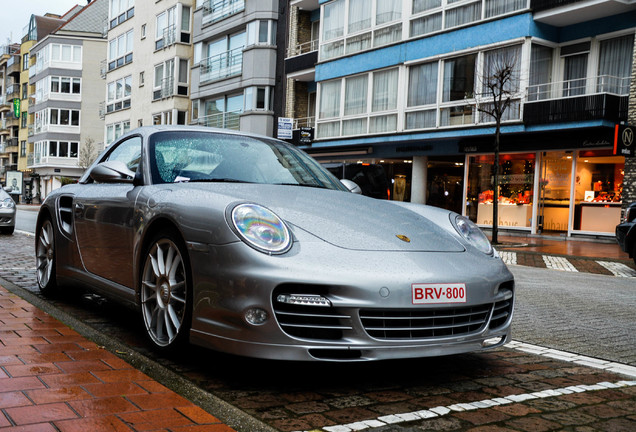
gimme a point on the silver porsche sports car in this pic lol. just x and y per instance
(244, 244)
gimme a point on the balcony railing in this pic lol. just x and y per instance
(226, 120)
(223, 65)
(304, 122)
(578, 87)
(215, 10)
(595, 98)
(169, 37)
(165, 90)
(303, 48)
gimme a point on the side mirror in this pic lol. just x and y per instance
(352, 186)
(112, 172)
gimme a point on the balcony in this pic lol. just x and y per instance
(4, 105)
(13, 92)
(168, 38)
(224, 65)
(301, 57)
(165, 90)
(216, 10)
(11, 145)
(13, 65)
(594, 98)
(562, 13)
(226, 120)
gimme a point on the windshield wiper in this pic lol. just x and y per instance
(214, 180)
(302, 185)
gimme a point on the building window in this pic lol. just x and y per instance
(173, 26)
(120, 11)
(23, 120)
(118, 94)
(143, 31)
(615, 65)
(25, 62)
(258, 98)
(261, 32)
(64, 117)
(23, 146)
(65, 149)
(120, 50)
(142, 78)
(223, 112)
(116, 130)
(66, 53)
(367, 104)
(215, 10)
(224, 58)
(25, 91)
(369, 23)
(163, 86)
(65, 85)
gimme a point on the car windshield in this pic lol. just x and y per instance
(195, 156)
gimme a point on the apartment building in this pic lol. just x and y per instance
(403, 84)
(67, 87)
(238, 57)
(8, 122)
(147, 65)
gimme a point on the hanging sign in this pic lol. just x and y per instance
(624, 144)
(16, 107)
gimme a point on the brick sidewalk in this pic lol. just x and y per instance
(53, 379)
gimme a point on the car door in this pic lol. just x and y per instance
(104, 220)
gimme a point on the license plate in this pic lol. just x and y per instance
(438, 293)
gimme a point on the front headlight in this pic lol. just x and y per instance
(7, 203)
(473, 234)
(261, 229)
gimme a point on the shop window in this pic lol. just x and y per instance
(516, 183)
(598, 189)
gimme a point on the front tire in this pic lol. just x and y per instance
(165, 292)
(45, 257)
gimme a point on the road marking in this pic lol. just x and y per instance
(558, 263)
(508, 257)
(441, 411)
(618, 269)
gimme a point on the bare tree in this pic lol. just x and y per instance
(88, 153)
(499, 84)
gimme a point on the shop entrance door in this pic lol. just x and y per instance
(555, 184)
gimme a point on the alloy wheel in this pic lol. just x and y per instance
(164, 292)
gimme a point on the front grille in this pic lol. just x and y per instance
(426, 323)
(311, 322)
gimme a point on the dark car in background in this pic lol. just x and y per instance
(7, 213)
(626, 231)
(371, 178)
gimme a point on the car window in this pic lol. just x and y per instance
(128, 152)
(213, 157)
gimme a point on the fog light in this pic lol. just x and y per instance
(256, 316)
(304, 300)
(492, 342)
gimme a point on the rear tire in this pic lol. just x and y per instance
(165, 293)
(45, 258)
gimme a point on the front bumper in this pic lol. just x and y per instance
(363, 289)
(7, 217)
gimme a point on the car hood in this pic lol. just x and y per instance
(343, 219)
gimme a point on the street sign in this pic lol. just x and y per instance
(624, 144)
(285, 128)
(306, 135)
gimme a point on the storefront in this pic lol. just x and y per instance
(565, 192)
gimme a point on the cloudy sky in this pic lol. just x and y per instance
(15, 14)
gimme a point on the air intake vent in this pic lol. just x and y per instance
(424, 324)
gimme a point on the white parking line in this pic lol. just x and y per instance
(475, 405)
(440, 411)
(558, 263)
(508, 257)
(618, 269)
